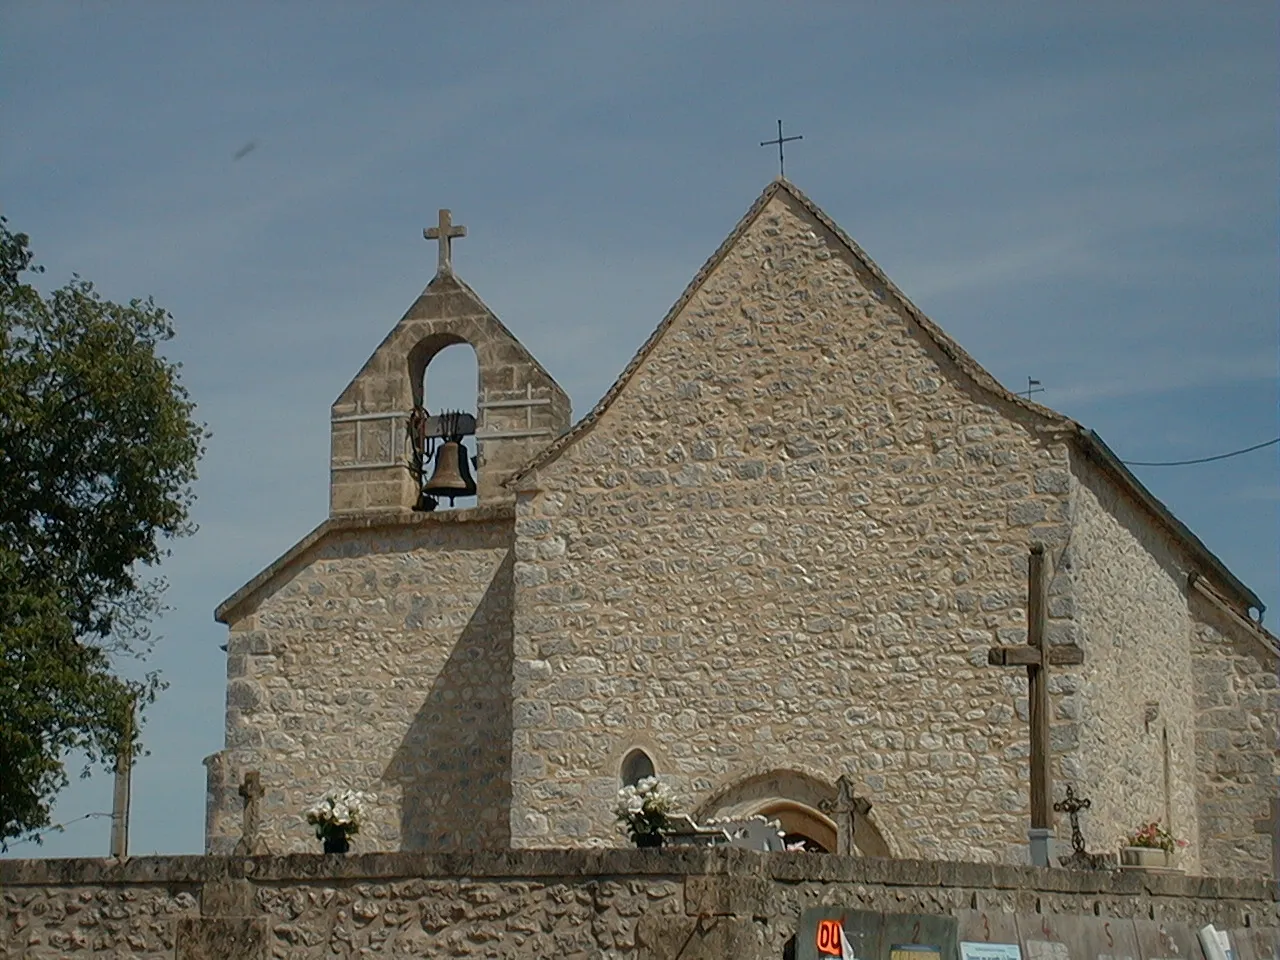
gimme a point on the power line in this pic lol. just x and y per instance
(56, 828)
(1183, 463)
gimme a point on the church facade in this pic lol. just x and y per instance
(775, 554)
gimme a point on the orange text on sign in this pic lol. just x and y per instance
(829, 937)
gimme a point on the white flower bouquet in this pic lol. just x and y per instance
(643, 810)
(336, 816)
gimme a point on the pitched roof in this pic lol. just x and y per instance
(1085, 440)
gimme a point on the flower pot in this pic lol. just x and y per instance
(650, 840)
(337, 843)
(1147, 858)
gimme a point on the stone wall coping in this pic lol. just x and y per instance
(558, 864)
(229, 610)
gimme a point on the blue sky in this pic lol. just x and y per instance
(1081, 193)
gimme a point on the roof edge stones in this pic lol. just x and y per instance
(948, 346)
(441, 285)
(1086, 440)
(496, 321)
(231, 609)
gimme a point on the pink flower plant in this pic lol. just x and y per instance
(1155, 837)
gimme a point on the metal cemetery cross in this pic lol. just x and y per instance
(445, 232)
(782, 170)
(1036, 655)
(1080, 859)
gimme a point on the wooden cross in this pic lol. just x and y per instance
(1271, 825)
(445, 232)
(845, 808)
(1036, 655)
(251, 791)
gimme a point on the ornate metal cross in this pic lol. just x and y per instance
(1072, 806)
(782, 170)
(445, 232)
(1080, 859)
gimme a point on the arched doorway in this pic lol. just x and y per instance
(795, 799)
(802, 826)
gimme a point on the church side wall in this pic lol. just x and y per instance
(1131, 613)
(787, 545)
(381, 663)
(1237, 732)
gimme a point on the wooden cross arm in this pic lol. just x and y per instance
(1060, 655)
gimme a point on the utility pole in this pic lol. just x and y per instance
(120, 797)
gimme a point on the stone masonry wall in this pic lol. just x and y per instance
(581, 905)
(787, 545)
(380, 661)
(1133, 623)
(1237, 732)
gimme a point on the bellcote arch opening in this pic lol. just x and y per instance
(445, 377)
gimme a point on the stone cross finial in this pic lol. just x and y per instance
(1271, 825)
(445, 232)
(251, 791)
(845, 807)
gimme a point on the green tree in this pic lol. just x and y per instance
(98, 449)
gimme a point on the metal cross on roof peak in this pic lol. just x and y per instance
(445, 232)
(782, 170)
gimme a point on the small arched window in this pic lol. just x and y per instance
(636, 765)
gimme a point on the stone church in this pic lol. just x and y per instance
(775, 554)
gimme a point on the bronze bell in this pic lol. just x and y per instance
(451, 476)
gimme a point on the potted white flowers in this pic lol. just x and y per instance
(336, 816)
(642, 809)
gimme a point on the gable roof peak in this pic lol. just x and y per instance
(1044, 417)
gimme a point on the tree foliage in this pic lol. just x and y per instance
(98, 449)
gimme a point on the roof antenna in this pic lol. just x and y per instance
(782, 170)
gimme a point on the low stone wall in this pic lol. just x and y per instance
(578, 904)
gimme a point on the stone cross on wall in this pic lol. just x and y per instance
(1036, 655)
(445, 232)
(845, 808)
(1270, 825)
(251, 844)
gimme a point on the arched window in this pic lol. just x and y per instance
(636, 765)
